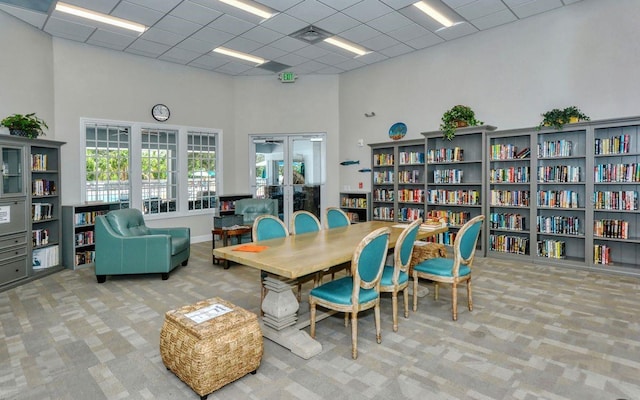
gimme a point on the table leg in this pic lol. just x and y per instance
(225, 243)
(213, 247)
(280, 308)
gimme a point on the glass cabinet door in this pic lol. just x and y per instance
(12, 171)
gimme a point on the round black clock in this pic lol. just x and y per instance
(160, 112)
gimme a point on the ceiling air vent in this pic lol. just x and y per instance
(273, 66)
(311, 35)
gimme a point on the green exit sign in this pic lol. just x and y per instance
(287, 77)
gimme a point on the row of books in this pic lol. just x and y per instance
(559, 224)
(412, 176)
(406, 214)
(41, 211)
(383, 213)
(558, 198)
(39, 162)
(354, 202)
(458, 218)
(513, 222)
(447, 176)
(552, 248)
(601, 254)
(557, 148)
(411, 157)
(383, 195)
(85, 257)
(411, 195)
(558, 173)
(611, 228)
(511, 175)
(508, 152)
(382, 159)
(617, 172)
(446, 238)
(87, 218)
(517, 198)
(509, 244)
(613, 145)
(40, 237)
(465, 197)
(84, 238)
(445, 155)
(45, 257)
(43, 187)
(380, 177)
(624, 200)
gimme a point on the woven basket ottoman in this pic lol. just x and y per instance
(426, 251)
(207, 355)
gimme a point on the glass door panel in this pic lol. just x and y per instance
(12, 171)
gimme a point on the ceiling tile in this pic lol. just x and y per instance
(284, 24)
(408, 32)
(477, 9)
(398, 4)
(136, 13)
(195, 13)
(360, 33)
(349, 65)
(269, 53)
(424, 41)
(337, 23)
(340, 4)
(367, 10)
(456, 31)
(310, 67)
(280, 5)
(288, 44)
(241, 44)
(310, 11)
(231, 24)
(162, 36)
(233, 68)
(197, 45)
(209, 61)
(333, 59)
(230, 11)
(372, 58)
(312, 52)
(68, 29)
(380, 42)
(147, 48)
(212, 36)
(34, 18)
(524, 9)
(163, 6)
(292, 59)
(492, 20)
(397, 50)
(181, 56)
(110, 39)
(389, 22)
(103, 6)
(177, 25)
(262, 35)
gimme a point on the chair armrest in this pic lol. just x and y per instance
(173, 232)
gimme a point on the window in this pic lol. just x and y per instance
(158, 157)
(158, 169)
(107, 163)
(201, 164)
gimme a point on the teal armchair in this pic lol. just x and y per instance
(125, 245)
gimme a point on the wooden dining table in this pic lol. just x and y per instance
(295, 256)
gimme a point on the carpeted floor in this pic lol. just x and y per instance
(536, 332)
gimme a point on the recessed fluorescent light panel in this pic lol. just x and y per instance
(251, 7)
(99, 17)
(346, 45)
(433, 13)
(240, 55)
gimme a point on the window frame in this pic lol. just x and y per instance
(135, 149)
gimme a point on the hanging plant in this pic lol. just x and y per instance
(557, 118)
(457, 117)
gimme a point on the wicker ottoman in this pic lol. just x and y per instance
(207, 355)
(426, 251)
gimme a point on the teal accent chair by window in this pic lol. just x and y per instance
(335, 218)
(125, 245)
(358, 292)
(395, 278)
(452, 270)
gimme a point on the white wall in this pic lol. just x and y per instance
(26, 73)
(265, 105)
(586, 55)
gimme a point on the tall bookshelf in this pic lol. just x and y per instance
(455, 179)
(78, 226)
(398, 180)
(357, 205)
(30, 231)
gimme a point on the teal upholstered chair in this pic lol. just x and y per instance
(125, 245)
(335, 218)
(455, 270)
(360, 291)
(304, 222)
(396, 277)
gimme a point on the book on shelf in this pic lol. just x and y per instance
(524, 153)
(45, 257)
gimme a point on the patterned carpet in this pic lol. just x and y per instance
(536, 332)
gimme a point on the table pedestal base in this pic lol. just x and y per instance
(299, 342)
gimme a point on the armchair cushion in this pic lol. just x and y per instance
(252, 208)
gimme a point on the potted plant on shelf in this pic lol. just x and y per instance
(457, 117)
(28, 125)
(557, 118)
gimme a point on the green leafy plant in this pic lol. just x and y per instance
(557, 118)
(456, 117)
(28, 125)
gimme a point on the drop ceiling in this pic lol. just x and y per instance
(185, 31)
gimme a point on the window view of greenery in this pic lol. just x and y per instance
(201, 162)
(159, 171)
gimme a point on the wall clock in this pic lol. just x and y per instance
(160, 112)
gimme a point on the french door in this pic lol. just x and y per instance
(291, 169)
